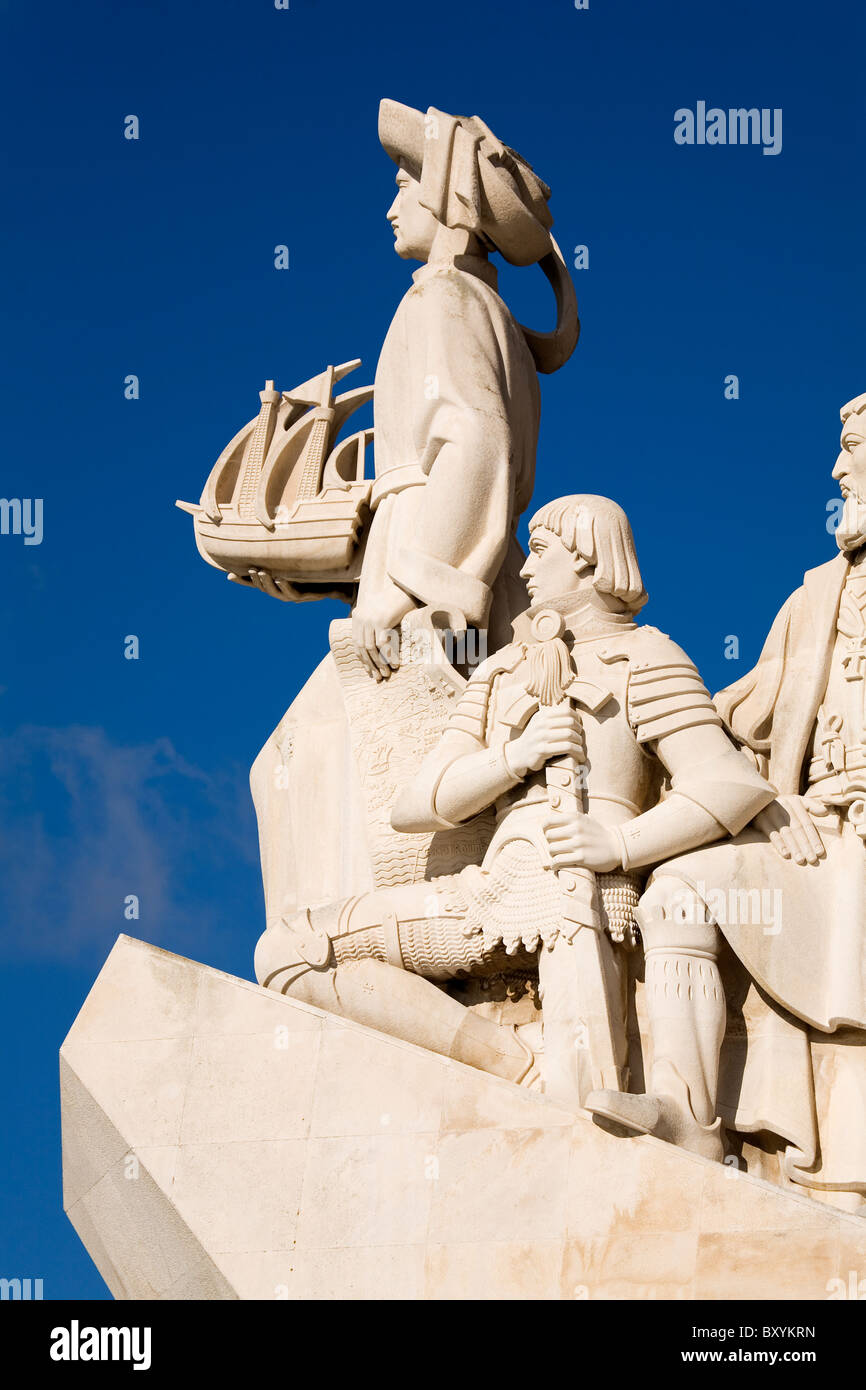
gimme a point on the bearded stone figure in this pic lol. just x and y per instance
(792, 1089)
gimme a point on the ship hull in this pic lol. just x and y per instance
(318, 539)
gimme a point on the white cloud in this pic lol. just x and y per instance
(84, 822)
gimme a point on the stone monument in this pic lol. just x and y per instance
(509, 1038)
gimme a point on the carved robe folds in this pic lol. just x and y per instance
(796, 1065)
(456, 417)
(457, 412)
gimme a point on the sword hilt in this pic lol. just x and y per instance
(566, 792)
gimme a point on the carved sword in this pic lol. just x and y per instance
(581, 992)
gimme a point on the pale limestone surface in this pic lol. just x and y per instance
(565, 739)
(797, 1068)
(284, 1153)
(572, 826)
(286, 500)
(432, 532)
(289, 507)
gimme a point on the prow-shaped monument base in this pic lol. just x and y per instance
(221, 1141)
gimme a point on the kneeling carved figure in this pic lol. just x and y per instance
(601, 751)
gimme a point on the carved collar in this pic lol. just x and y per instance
(479, 266)
(583, 618)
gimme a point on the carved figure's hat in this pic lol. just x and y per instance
(470, 180)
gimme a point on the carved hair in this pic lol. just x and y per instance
(598, 531)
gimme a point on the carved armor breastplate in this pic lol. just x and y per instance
(621, 779)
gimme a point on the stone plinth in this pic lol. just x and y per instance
(220, 1141)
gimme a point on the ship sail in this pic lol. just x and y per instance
(286, 495)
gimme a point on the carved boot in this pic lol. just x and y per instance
(337, 958)
(686, 1008)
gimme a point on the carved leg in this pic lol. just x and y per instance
(686, 1008)
(356, 959)
(585, 1043)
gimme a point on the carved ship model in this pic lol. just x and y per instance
(284, 496)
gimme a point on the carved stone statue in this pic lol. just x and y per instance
(507, 837)
(788, 894)
(456, 413)
(569, 732)
(538, 865)
(456, 393)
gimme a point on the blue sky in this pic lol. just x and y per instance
(156, 257)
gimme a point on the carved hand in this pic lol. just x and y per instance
(376, 632)
(789, 827)
(274, 587)
(550, 733)
(582, 842)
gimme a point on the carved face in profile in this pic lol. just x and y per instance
(551, 569)
(850, 473)
(850, 469)
(414, 226)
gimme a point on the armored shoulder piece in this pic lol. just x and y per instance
(665, 690)
(470, 713)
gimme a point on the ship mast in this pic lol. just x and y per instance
(254, 460)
